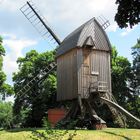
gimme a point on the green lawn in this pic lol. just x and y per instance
(105, 134)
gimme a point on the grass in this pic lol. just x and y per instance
(105, 134)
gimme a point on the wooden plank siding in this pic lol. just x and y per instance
(74, 72)
(67, 80)
(100, 62)
(87, 49)
(93, 61)
(83, 71)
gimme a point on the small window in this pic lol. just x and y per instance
(95, 73)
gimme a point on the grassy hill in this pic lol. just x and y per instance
(105, 134)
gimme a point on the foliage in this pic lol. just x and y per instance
(105, 134)
(2, 53)
(5, 89)
(52, 134)
(125, 81)
(42, 95)
(134, 104)
(136, 67)
(121, 74)
(6, 115)
(128, 13)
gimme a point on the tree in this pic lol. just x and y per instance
(35, 102)
(6, 115)
(134, 104)
(128, 13)
(136, 66)
(2, 75)
(125, 81)
(5, 89)
(121, 74)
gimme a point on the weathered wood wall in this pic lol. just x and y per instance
(83, 67)
(100, 62)
(92, 61)
(85, 50)
(74, 72)
(67, 80)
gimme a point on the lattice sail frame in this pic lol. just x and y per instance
(34, 16)
(103, 22)
(38, 78)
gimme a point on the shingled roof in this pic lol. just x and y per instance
(91, 34)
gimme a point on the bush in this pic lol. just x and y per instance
(6, 115)
(52, 134)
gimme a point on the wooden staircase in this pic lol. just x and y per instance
(101, 88)
(119, 118)
(98, 86)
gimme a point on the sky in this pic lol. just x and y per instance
(19, 36)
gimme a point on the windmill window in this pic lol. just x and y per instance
(95, 73)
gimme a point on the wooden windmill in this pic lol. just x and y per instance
(83, 69)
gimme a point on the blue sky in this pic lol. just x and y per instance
(64, 16)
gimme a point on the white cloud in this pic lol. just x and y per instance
(15, 47)
(1, 1)
(10, 99)
(9, 35)
(63, 15)
(127, 31)
(69, 14)
(11, 5)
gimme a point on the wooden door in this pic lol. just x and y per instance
(86, 71)
(86, 57)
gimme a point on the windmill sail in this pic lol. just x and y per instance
(38, 78)
(103, 22)
(38, 21)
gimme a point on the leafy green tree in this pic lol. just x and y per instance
(36, 101)
(6, 115)
(121, 74)
(128, 13)
(136, 67)
(134, 104)
(125, 81)
(2, 53)
(5, 89)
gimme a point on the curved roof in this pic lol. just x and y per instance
(91, 33)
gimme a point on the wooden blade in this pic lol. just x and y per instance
(103, 22)
(38, 21)
(38, 78)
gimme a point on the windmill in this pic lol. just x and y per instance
(83, 69)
